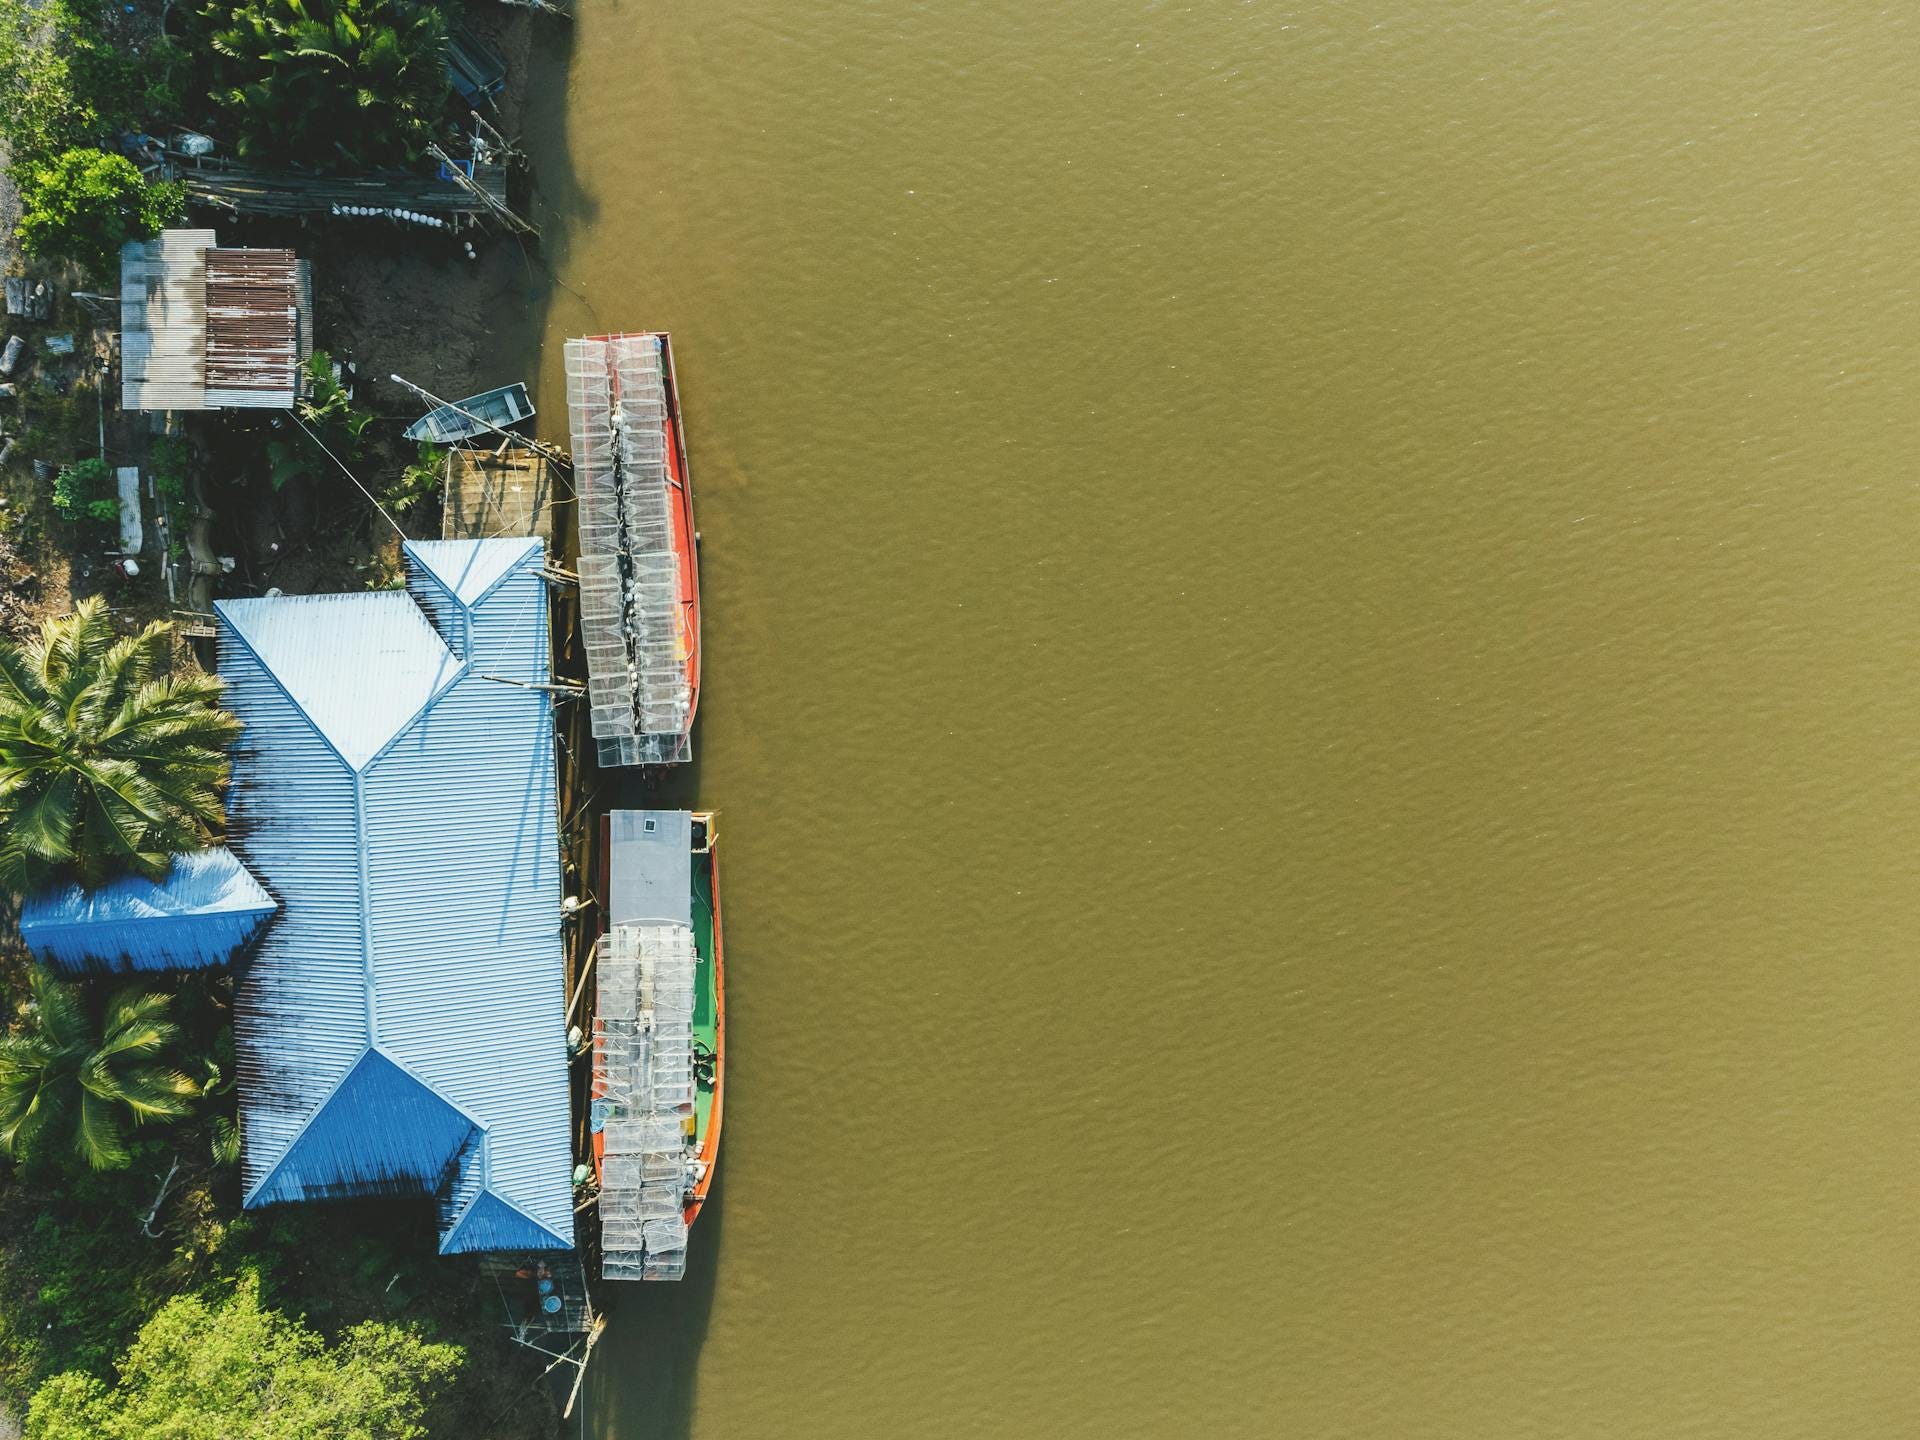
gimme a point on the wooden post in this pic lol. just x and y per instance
(580, 986)
(494, 207)
(146, 1225)
(580, 1376)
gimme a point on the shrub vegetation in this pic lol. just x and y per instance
(228, 1369)
(65, 90)
(83, 205)
(80, 492)
(340, 84)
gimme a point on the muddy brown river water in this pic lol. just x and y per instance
(1313, 695)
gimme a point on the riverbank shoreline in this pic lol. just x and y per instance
(394, 300)
(388, 299)
(399, 300)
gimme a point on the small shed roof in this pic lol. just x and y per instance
(201, 913)
(256, 323)
(206, 328)
(163, 321)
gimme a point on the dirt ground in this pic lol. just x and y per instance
(56, 417)
(392, 301)
(412, 302)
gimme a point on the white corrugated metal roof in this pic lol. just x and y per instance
(399, 661)
(163, 321)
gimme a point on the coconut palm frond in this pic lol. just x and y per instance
(108, 762)
(71, 1077)
(100, 1136)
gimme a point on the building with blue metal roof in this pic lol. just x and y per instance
(401, 1026)
(202, 912)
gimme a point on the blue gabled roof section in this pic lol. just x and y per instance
(400, 662)
(201, 913)
(468, 570)
(402, 1026)
(490, 1223)
(382, 1131)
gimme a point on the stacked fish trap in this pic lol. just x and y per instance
(640, 700)
(644, 1088)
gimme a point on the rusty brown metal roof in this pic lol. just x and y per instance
(253, 327)
(205, 328)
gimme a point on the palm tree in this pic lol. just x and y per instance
(65, 1074)
(362, 82)
(108, 763)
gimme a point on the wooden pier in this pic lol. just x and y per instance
(457, 204)
(491, 493)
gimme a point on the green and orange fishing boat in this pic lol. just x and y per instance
(659, 1038)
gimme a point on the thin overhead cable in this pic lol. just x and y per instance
(294, 416)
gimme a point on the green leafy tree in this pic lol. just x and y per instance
(68, 1075)
(83, 205)
(108, 762)
(353, 83)
(40, 113)
(63, 83)
(229, 1370)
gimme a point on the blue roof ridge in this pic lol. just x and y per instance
(460, 673)
(369, 1000)
(465, 666)
(201, 912)
(265, 904)
(287, 1149)
(461, 667)
(427, 574)
(219, 608)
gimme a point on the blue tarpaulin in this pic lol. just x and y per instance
(201, 913)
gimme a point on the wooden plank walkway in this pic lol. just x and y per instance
(258, 192)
